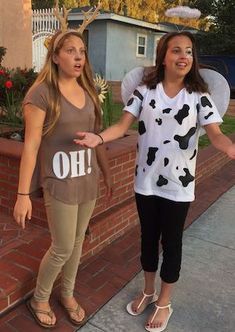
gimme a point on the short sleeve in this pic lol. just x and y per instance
(207, 111)
(38, 96)
(134, 104)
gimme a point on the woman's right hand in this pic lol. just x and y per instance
(22, 210)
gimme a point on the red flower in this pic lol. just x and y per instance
(8, 84)
(2, 72)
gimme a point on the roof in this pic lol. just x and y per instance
(76, 15)
(171, 27)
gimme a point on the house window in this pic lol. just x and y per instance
(141, 45)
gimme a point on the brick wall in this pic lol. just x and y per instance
(110, 219)
(231, 108)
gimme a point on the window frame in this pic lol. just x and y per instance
(138, 55)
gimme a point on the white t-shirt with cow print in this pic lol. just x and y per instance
(168, 140)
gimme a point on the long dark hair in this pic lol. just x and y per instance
(153, 75)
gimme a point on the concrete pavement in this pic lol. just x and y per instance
(204, 299)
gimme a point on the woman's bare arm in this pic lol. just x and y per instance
(34, 120)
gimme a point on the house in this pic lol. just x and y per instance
(117, 44)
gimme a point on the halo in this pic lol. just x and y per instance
(218, 87)
(183, 12)
(219, 90)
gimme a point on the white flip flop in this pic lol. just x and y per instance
(164, 325)
(129, 305)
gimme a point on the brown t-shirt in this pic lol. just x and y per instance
(68, 171)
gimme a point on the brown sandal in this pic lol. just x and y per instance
(76, 311)
(34, 313)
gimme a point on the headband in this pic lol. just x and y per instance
(89, 16)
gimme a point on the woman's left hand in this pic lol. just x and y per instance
(109, 188)
(231, 151)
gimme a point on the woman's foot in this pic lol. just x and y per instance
(137, 306)
(75, 312)
(158, 320)
(42, 313)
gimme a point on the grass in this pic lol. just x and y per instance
(227, 127)
(117, 113)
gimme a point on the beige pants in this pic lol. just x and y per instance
(67, 224)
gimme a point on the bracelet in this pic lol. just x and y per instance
(102, 140)
(23, 194)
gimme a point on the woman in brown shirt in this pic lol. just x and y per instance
(62, 101)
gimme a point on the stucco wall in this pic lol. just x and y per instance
(15, 32)
(121, 49)
(112, 47)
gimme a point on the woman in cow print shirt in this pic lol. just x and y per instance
(171, 105)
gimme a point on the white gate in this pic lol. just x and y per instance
(44, 24)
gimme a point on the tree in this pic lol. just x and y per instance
(217, 17)
(39, 4)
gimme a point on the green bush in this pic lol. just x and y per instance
(2, 53)
(107, 109)
(14, 84)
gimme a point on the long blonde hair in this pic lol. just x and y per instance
(49, 75)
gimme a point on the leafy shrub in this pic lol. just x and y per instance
(14, 84)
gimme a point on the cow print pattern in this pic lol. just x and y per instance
(182, 114)
(141, 128)
(136, 170)
(208, 115)
(130, 102)
(161, 181)
(185, 180)
(151, 155)
(166, 161)
(174, 167)
(205, 102)
(153, 103)
(159, 121)
(138, 95)
(167, 110)
(184, 140)
(194, 154)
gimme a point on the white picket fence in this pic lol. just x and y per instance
(44, 24)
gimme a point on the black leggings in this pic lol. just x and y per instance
(161, 218)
